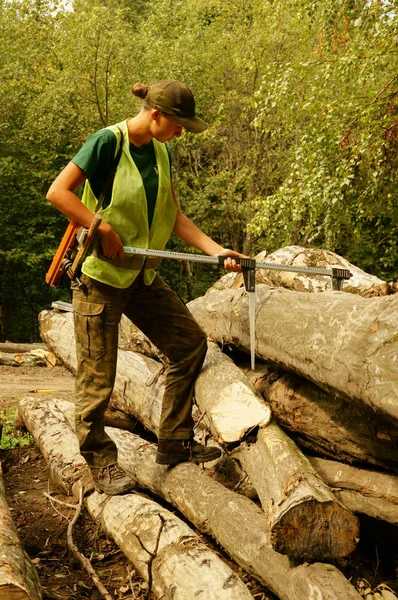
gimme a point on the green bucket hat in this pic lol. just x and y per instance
(174, 98)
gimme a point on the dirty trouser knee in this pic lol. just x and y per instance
(160, 313)
(97, 312)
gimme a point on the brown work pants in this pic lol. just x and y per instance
(163, 317)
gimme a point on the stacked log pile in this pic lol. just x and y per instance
(328, 375)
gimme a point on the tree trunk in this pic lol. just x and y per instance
(132, 338)
(340, 341)
(35, 358)
(138, 389)
(304, 518)
(18, 576)
(325, 423)
(361, 490)
(230, 403)
(360, 283)
(232, 408)
(50, 424)
(235, 522)
(168, 554)
(18, 348)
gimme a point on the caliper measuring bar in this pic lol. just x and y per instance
(249, 266)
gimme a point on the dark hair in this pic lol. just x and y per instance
(140, 90)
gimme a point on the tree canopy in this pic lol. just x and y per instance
(301, 98)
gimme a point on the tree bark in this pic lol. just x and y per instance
(18, 576)
(234, 521)
(342, 342)
(139, 384)
(18, 348)
(168, 554)
(304, 518)
(138, 391)
(34, 358)
(360, 283)
(361, 490)
(327, 424)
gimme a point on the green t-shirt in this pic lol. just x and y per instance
(96, 156)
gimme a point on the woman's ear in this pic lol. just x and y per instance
(155, 114)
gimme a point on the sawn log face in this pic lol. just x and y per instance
(304, 517)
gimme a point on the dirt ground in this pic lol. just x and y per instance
(42, 525)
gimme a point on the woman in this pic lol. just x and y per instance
(140, 209)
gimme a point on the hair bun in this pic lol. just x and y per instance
(140, 90)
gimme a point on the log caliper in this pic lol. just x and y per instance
(249, 266)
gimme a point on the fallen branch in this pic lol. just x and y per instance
(86, 564)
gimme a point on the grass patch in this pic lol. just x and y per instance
(11, 437)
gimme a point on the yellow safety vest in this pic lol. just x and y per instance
(127, 213)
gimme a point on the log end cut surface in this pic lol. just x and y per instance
(316, 531)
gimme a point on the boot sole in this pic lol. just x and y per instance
(172, 460)
(115, 491)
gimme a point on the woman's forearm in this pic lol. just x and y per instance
(187, 231)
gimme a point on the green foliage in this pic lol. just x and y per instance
(301, 98)
(10, 437)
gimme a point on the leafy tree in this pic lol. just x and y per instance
(340, 191)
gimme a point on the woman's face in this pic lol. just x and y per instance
(166, 127)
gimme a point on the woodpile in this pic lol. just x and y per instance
(32, 358)
(327, 374)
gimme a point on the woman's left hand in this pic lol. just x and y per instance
(229, 263)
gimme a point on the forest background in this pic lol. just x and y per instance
(302, 101)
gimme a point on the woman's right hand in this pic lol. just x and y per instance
(112, 245)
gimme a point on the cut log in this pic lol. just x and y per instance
(234, 521)
(34, 358)
(325, 423)
(168, 554)
(362, 490)
(361, 283)
(51, 424)
(132, 338)
(230, 403)
(232, 409)
(138, 389)
(342, 342)
(14, 348)
(18, 576)
(304, 517)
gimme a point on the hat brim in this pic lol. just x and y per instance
(193, 125)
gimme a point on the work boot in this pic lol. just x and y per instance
(112, 480)
(172, 452)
